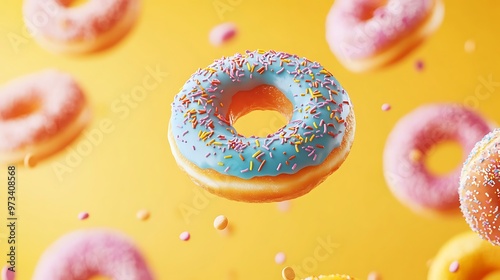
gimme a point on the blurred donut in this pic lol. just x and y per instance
(84, 254)
(415, 134)
(93, 26)
(40, 113)
(368, 34)
(464, 257)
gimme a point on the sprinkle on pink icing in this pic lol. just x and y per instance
(352, 35)
(454, 266)
(386, 107)
(222, 33)
(8, 274)
(83, 216)
(185, 236)
(280, 258)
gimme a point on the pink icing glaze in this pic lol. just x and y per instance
(222, 33)
(56, 20)
(420, 130)
(352, 34)
(87, 253)
(55, 100)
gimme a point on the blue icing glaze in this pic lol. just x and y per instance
(204, 135)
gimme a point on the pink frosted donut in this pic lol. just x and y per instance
(39, 114)
(366, 34)
(415, 134)
(92, 26)
(84, 254)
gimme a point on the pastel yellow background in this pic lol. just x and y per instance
(132, 167)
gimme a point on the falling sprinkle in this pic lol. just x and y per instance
(142, 214)
(470, 46)
(284, 206)
(454, 266)
(222, 33)
(374, 276)
(386, 107)
(220, 222)
(29, 161)
(419, 65)
(287, 273)
(280, 258)
(83, 216)
(185, 236)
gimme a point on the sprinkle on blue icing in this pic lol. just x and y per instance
(205, 136)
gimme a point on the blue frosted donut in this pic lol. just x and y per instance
(283, 165)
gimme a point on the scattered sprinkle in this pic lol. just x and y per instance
(142, 214)
(287, 273)
(470, 46)
(185, 236)
(220, 222)
(83, 216)
(454, 266)
(419, 65)
(284, 206)
(29, 161)
(386, 107)
(222, 33)
(280, 258)
(374, 276)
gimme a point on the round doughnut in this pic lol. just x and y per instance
(84, 254)
(93, 26)
(415, 134)
(331, 277)
(367, 34)
(465, 257)
(40, 113)
(281, 166)
(480, 188)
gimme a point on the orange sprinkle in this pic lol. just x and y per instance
(261, 165)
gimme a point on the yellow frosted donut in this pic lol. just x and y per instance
(465, 257)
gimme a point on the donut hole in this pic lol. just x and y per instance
(444, 157)
(369, 9)
(73, 3)
(20, 110)
(260, 111)
(99, 277)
